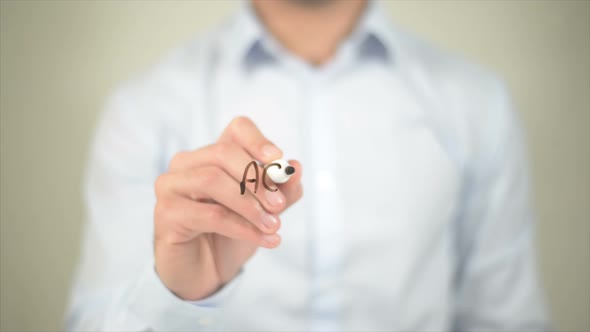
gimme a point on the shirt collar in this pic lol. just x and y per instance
(251, 45)
(373, 34)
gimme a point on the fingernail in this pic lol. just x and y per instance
(271, 238)
(269, 150)
(269, 221)
(274, 198)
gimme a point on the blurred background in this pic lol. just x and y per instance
(59, 60)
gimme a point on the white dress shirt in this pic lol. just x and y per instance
(416, 212)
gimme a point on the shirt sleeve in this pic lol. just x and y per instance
(497, 284)
(116, 286)
(163, 311)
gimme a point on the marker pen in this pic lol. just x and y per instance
(282, 174)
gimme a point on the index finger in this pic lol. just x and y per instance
(243, 131)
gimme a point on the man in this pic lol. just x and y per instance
(415, 216)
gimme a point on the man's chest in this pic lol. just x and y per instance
(371, 159)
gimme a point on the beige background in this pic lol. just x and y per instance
(59, 60)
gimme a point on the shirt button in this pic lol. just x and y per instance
(205, 321)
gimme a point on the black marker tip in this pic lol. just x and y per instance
(289, 170)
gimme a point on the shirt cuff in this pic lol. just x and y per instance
(218, 298)
(161, 310)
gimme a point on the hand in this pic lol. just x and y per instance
(204, 229)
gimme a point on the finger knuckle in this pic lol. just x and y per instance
(186, 177)
(208, 176)
(178, 159)
(215, 213)
(161, 184)
(162, 211)
(222, 150)
(240, 122)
